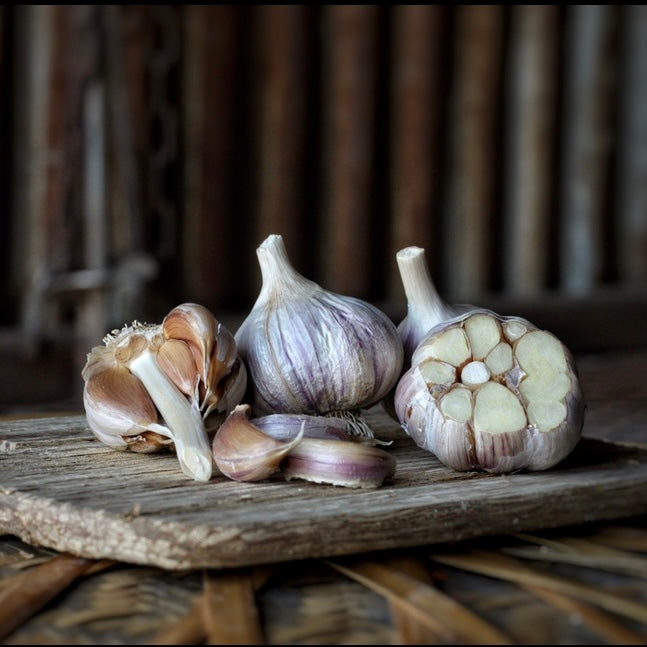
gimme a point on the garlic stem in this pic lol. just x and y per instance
(425, 307)
(182, 418)
(277, 271)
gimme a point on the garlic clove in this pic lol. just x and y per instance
(116, 402)
(118, 407)
(338, 462)
(308, 350)
(242, 452)
(176, 360)
(195, 325)
(222, 374)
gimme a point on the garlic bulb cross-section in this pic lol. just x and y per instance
(308, 350)
(493, 393)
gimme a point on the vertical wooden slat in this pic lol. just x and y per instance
(229, 610)
(631, 189)
(281, 83)
(529, 132)
(34, 30)
(208, 105)
(473, 150)
(349, 81)
(585, 145)
(415, 147)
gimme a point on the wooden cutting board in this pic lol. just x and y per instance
(62, 489)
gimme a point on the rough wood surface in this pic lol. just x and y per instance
(62, 489)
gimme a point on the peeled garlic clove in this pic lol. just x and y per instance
(308, 350)
(122, 378)
(492, 393)
(338, 462)
(242, 452)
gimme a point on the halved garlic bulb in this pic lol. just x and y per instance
(489, 392)
(149, 386)
(308, 350)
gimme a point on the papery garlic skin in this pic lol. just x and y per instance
(308, 350)
(286, 426)
(492, 393)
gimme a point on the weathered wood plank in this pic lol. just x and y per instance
(62, 489)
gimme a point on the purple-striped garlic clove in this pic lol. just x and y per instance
(338, 462)
(243, 452)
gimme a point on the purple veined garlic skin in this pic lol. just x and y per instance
(479, 390)
(309, 350)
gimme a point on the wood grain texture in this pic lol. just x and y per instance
(64, 490)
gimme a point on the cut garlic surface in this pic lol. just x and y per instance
(492, 393)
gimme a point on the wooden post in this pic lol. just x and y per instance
(529, 171)
(473, 150)
(348, 146)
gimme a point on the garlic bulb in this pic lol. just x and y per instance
(490, 392)
(308, 350)
(150, 386)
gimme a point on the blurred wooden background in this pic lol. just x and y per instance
(147, 150)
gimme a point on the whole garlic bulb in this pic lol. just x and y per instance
(490, 392)
(308, 350)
